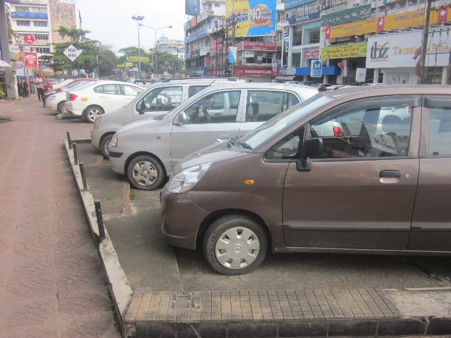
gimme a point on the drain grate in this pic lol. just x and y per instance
(182, 301)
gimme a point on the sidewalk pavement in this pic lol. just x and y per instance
(51, 281)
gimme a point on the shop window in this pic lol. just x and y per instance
(297, 35)
(312, 35)
(296, 59)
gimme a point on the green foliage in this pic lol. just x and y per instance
(169, 63)
(76, 34)
(2, 94)
(11, 32)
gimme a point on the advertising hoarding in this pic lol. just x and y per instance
(31, 60)
(344, 51)
(254, 45)
(401, 50)
(192, 7)
(244, 71)
(312, 54)
(252, 17)
(346, 16)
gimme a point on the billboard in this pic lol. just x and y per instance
(252, 17)
(192, 7)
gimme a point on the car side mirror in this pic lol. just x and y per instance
(180, 119)
(310, 147)
(142, 107)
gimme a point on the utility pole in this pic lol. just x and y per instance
(9, 80)
(424, 42)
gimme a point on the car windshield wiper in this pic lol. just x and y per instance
(244, 145)
(232, 141)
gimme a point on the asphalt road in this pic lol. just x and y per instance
(132, 218)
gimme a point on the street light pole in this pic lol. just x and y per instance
(156, 47)
(138, 18)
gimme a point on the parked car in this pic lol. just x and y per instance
(99, 98)
(156, 100)
(49, 83)
(147, 151)
(61, 87)
(281, 187)
(57, 101)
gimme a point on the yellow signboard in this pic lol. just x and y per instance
(121, 65)
(129, 64)
(409, 19)
(352, 28)
(344, 51)
(135, 59)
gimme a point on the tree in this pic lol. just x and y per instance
(11, 32)
(168, 62)
(76, 34)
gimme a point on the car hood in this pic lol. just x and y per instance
(213, 153)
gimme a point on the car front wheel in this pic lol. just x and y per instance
(92, 112)
(145, 173)
(235, 245)
(62, 107)
(104, 146)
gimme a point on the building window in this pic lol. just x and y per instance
(296, 59)
(41, 36)
(297, 35)
(40, 23)
(38, 9)
(22, 9)
(42, 50)
(312, 35)
(23, 22)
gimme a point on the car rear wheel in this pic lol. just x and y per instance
(235, 245)
(92, 112)
(145, 173)
(104, 145)
(62, 107)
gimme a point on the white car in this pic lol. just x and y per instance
(57, 101)
(99, 98)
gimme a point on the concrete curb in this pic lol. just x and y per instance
(120, 290)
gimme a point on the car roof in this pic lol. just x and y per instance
(263, 85)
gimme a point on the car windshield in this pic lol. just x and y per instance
(279, 122)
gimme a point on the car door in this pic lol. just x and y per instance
(213, 118)
(262, 105)
(130, 92)
(431, 223)
(158, 101)
(360, 192)
(109, 96)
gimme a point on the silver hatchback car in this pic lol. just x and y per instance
(147, 151)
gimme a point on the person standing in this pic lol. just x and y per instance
(40, 88)
(25, 88)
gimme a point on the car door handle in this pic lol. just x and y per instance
(390, 174)
(223, 137)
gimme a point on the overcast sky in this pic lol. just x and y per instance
(110, 21)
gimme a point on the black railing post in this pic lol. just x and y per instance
(75, 154)
(83, 176)
(99, 219)
(68, 140)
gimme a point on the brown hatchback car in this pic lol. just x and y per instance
(356, 170)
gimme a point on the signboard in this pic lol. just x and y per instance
(31, 60)
(192, 7)
(28, 38)
(252, 17)
(312, 54)
(252, 45)
(344, 51)
(121, 65)
(392, 22)
(75, 72)
(316, 68)
(253, 71)
(295, 3)
(304, 18)
(348, 15)
(129, 64)
(360, 75)
(136, 59)
(72, 53)
(275, 67)
(249, 54)
(232, 54)
(399, 50)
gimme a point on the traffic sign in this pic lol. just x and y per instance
(72, 53)
(75, 72)
(29, 38)
(316, 69)
(19, 42)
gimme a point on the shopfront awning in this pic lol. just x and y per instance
(285, 78)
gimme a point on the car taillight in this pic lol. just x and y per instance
(338, 132)
(72, 97)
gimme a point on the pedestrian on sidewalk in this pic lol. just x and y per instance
(39, 87)
(20, 87)
(25, 88)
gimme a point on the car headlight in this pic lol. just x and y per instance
(97, 121)
(188, 178)
(114, 140)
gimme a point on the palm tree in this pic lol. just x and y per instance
(76, 34)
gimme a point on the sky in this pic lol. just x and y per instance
(110, 21)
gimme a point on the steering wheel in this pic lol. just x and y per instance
(207, 117)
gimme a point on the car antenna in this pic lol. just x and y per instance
(212, 82)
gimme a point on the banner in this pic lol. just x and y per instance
(251, 17)
(192, 7)
(348, 15)
(255, 45)
(232, 54)
(344, 51)
(399, 50)
(31, 60)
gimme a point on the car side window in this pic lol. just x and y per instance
(160, 99)
(214, 108)
(111, 89)
(374, 127)
(193, 90)
(131, 91)
(263, 105)
(439, 131)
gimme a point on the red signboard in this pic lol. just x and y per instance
(311, 54)
(244, 71)
(193, 22)
(31, 60)
(253, 45)
(29, 38)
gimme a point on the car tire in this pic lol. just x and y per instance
(145, 173)
(62, 107)
(228, 252)
(92, 112)
(104, 145)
